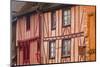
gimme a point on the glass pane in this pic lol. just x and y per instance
(65, 23)
(53, 20)
(52, 55)
(54, 24)
(52, 50)
(66, 48)
(68, 12)
(65, 17)
(65, 12)
(64, 53)
(68, 20)
(69, 45)
(65, 42)
(68, 52)
(52, 44)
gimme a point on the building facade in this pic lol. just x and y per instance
(56, 35)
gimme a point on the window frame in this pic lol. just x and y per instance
(54, 41)
(52, 19)
(63, 56)
(64, 9)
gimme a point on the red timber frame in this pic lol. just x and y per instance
(24, 45)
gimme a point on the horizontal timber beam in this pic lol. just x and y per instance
(74, 35)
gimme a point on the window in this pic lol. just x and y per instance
(52, 49)
(53, 22)
(28, 22)
(66, 17)
(66, 45)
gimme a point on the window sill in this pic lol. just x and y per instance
(65, 56)
(66, 26)
(51, 57)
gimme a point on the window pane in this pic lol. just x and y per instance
(68, 44)
(65, 12)
(68, 20)
(52, 49)
(68, 12)
(52, 55)
(66, 17)
(65, 23)
(53, 52)
(68, 52)
(52, 44)
(65, 43)
(66, 48)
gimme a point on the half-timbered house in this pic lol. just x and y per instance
(50, 33)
